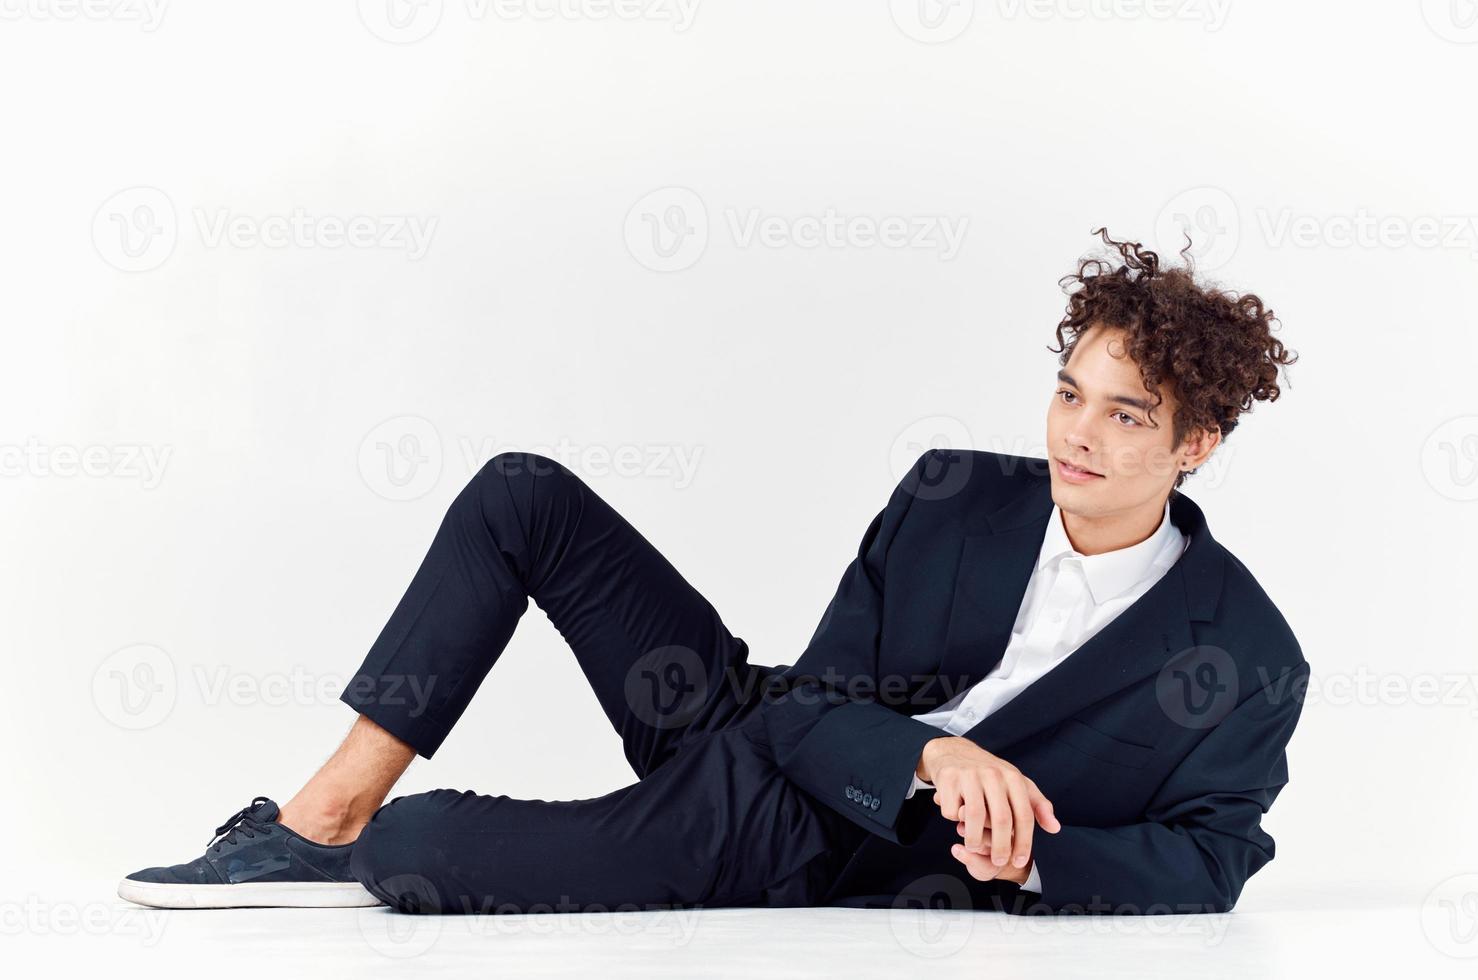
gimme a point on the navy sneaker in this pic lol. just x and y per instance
(253, 861)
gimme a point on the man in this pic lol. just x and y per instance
(1041, 685)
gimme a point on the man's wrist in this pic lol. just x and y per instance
(925, 758)
(921, 769)
(1015, 875)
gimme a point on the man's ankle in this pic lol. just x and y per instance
(325, 821)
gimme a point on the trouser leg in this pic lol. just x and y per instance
(658, 657)
(717, 825)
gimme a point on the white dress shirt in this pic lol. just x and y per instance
(1070, 598)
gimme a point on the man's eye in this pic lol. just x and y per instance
(1131, 419)
(1064, 391)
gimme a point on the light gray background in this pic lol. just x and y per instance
(193, 426)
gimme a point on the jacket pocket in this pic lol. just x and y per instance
(1106, 748)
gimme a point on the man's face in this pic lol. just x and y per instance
(1100, 420)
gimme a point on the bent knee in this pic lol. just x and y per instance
(520, 466)
(524, 480)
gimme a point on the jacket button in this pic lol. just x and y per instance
(851, 793)
(867, 799)
(875, 802)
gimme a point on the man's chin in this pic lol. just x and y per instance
(1085, 500)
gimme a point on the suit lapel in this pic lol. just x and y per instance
(995, 569)
(993, 575)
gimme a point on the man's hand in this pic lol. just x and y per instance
(995, 807)
(980, 866)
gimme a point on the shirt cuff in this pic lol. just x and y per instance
(1033, 881)
(917, 784)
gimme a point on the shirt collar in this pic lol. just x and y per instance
(1113, 572)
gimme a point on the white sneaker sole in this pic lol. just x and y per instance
(249, 894)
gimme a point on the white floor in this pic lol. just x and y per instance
(1331, 931)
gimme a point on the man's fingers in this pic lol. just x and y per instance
(1021, 813)
(974, 811)
(984, 848)
(996, 810)
(998, 805)
(1042, 807)
(978, 865)
(947, 795)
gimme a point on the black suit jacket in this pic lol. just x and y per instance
(1160, 741)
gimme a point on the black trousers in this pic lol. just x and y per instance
(710, 821)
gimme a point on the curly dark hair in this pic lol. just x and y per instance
(1214, 349)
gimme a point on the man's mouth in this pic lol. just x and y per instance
(1076, 474)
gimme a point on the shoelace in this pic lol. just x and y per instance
(240, 822)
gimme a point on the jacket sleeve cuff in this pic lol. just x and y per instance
(860, 759)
